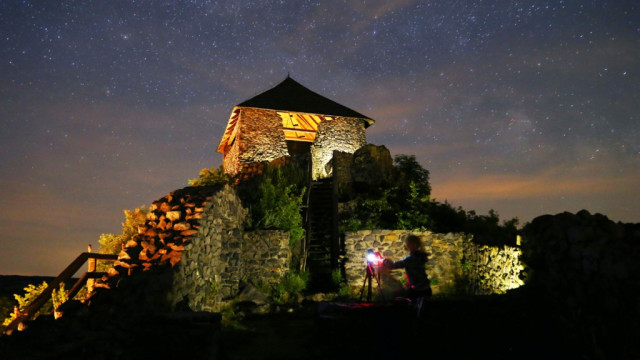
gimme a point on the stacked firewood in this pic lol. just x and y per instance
(172, 221)
(250, 170)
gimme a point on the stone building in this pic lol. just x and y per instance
(289, 120)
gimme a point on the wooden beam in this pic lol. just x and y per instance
(300, 130)
(65, 275)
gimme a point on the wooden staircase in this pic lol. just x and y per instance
(322, 245)
(64, 276)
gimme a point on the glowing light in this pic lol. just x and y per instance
(374, 257)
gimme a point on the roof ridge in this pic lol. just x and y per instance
(290, 95)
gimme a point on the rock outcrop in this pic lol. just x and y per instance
(590, 266)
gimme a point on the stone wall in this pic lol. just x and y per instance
(455, 265)
(231, 160)
(259, 138)
(222, 254)
(338, 133)
(491, 269)
(341, 166)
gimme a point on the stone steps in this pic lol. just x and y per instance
(319, 232)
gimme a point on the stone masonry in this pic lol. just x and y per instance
(261, 138)
(338, 133)
(222, 254)
(455, 265)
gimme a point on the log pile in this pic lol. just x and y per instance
(172, 221)
(250, 170)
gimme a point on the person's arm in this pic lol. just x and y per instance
(400, 264)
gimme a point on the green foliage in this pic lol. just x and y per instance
(229, 317)
(211, 291)
(336, 277)
(279, 208)
(345, 292)
(275, 199)
(402, 206)
(486, 229)
(112, 243)
(31, 292)
(407, 205)
(372, 213)
(412, 174)
(59, 296)
(290, 287)
(209, 177)
(6, 307)
(466, 265)
(414, 215)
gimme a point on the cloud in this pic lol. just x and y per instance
(553, 182)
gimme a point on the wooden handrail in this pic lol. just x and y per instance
(82, 281)
(65, 275)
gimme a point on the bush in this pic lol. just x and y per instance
(209, 177)
(402, 206)
(112, 243)
(6, 307)
(31, 292)
(290, 287)
(407, 205)
(275, 199)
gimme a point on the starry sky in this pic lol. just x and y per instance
(525, 107)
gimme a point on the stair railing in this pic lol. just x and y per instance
(307, 197)
(64, 276)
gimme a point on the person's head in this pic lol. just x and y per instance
(413, 243)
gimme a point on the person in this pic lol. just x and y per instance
(418, 285)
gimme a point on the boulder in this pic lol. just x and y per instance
(372, 167)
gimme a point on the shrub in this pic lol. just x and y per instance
(112, 243)
(290, 287)
(407, 205)
(209, 177)
(31, 292)
(275, 199)
(6, 307)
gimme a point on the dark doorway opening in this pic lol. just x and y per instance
(298, 147)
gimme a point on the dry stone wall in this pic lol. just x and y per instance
(260, 138)
(193, 251)
(222, 255)
(338, 133)
(491, 269)
(196, 236)
(455, 265)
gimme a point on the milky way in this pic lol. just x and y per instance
(525, 107)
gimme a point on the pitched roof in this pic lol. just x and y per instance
(292, 96)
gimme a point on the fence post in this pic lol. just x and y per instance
(91, 268)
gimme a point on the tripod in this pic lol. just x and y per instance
(370, 273)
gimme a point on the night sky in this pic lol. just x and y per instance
(525, 107)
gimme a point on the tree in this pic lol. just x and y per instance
(112, 243)
(411, 172)
(401, 206)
